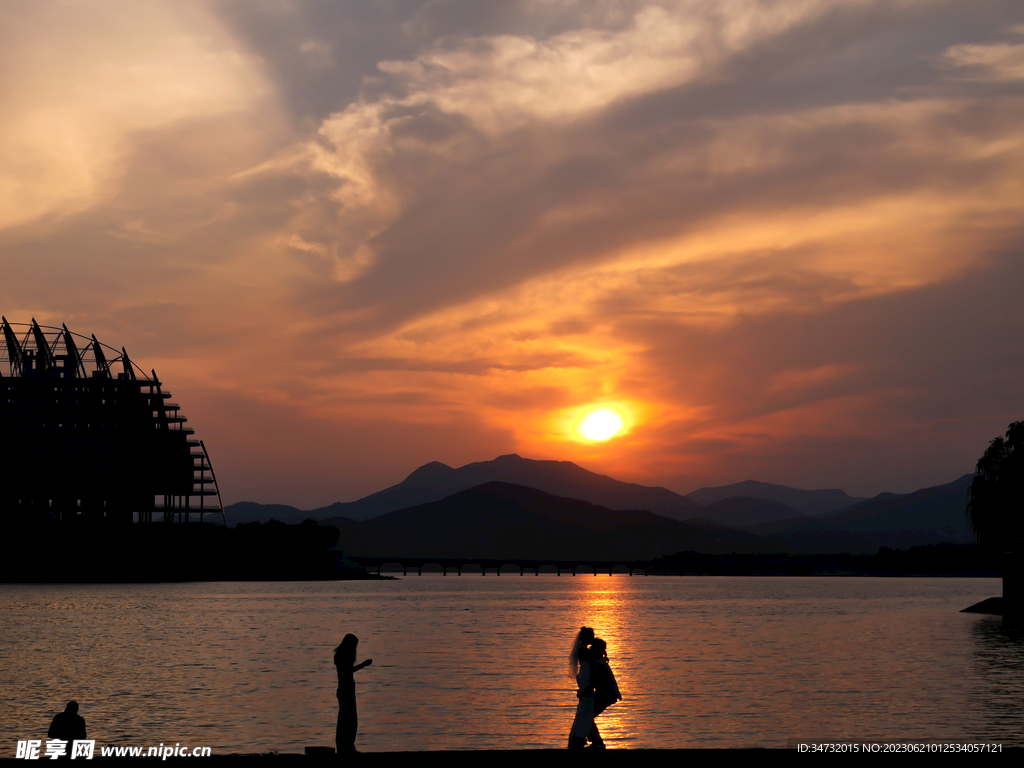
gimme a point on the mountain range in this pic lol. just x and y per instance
(513, 504)
(807, 502)
(503, 520)
(435, 481)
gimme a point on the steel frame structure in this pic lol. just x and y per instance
(86, 435)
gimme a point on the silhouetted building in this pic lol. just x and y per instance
(86, 436)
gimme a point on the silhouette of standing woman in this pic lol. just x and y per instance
(579, 670)
(348, 722)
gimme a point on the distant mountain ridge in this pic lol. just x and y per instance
(435, 481)
(807, 502)
(749, 523)
(503, 520)
(253, 512)
(928, 516)
(938, 505)
(744, 511)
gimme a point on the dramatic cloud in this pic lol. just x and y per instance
(1001, 61)
(780, 236)
(80, 79)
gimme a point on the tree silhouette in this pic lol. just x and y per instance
(995, 511)
(997, 491)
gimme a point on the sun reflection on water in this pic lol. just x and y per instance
(607, 610)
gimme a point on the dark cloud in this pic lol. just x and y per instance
(480, 213)
(323, 54)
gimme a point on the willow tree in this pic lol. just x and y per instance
(996, 512)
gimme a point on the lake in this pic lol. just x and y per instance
(472, 662)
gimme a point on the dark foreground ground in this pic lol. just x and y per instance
(652, 758)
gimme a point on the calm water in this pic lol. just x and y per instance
(477, 662)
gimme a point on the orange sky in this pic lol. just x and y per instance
(783, 238)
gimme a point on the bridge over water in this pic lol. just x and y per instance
(495, 566)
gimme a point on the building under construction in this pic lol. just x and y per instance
(86, 436)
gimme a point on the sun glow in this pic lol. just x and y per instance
(601, 423)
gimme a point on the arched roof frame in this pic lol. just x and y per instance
(28, 336)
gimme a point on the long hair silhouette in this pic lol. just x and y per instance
(579, 646)
(345, 653)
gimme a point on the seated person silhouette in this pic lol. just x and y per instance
(68, 726)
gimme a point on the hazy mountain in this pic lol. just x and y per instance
(744, 523)
(251, 512)
(941, 507)
(743, 512)
(807, 502)
(794, 526)
(928, 516)
(435, 481)
(812, 535)
(502, 520)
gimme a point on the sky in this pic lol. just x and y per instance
(783, 238)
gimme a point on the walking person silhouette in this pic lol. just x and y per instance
(348, 722)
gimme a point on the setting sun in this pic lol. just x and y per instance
(600, 423)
